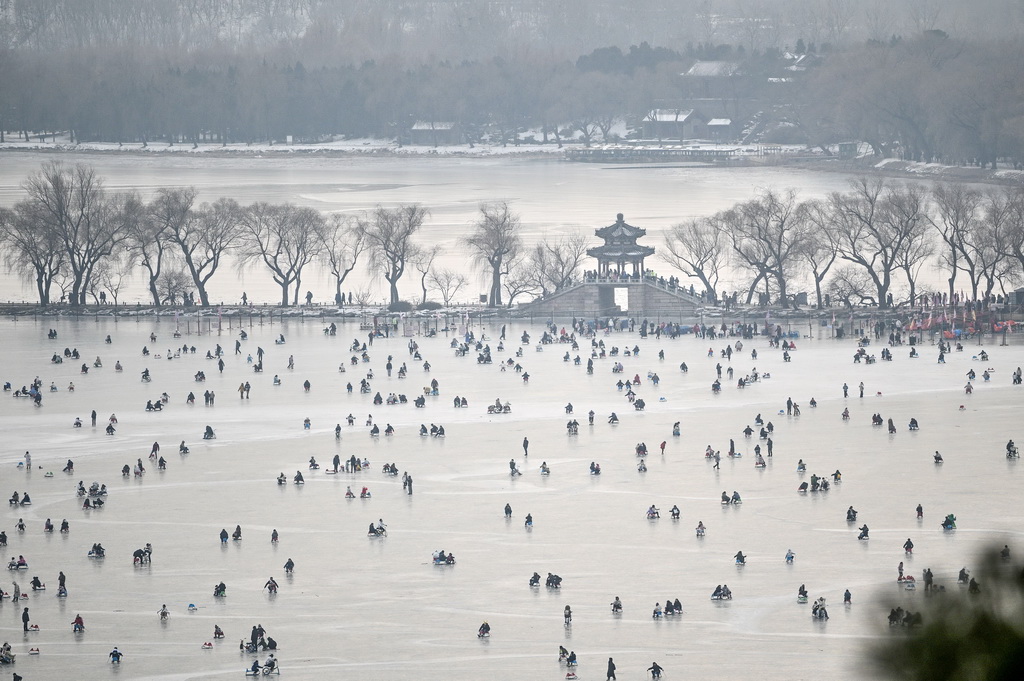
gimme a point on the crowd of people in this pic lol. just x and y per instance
(592, 348)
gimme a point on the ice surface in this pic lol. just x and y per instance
(376, 609)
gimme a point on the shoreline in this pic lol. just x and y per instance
(15, 309)
(747, 157)
(227, 317)
(357, 150)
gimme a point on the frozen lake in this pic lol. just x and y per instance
(376, 609)
(551, 197)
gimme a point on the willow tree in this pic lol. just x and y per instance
(285, 238)
(388, 238)
(88, 223)
(495, 242)
(423, 262)
(557, 262)
(819, 248)
(30, 249)
(1010, 206)
(341, 245)
(767, 235)
(448, 283)
(879, 228)
(204, 239)
(957, 209)
(697, 249)
(148, 238)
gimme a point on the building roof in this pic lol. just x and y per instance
(619, 231)
(668, 115)
(620, 252)
(723, 122)
(620, 242)
(433, 125)
(714, 69)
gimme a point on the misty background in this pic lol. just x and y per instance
(340, 32)
(928, 80)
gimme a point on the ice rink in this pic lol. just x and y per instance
(377, 609)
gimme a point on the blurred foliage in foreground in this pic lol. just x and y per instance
(964, 636)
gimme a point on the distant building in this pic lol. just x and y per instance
(713, 79)
(674, 124)
(847, 150)
(714, 69)
(798, 63)
(435, 133)
(720, 129)
(720, 89)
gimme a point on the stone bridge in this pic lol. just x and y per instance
(649, 298)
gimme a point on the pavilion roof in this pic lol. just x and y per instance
(620, 230)
(620, 251)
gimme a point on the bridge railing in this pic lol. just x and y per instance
(657, 282)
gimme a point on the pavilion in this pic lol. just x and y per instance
(620, 250)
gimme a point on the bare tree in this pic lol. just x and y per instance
(838, 14)
(585, 104)
(388, 237)
(995, 266)
(448, 283)
(30, 248)
(285, 238)
(876, 20)
(957, 209)
(423, 261)
(752, 22)
(533, 269)
(174, 283)
(205, 238)
(522, 279)
(923, 14)
(697, 249)
(819, 248)
(872, 232)
(342, 245)
(494, 242)
(906, 212)
(608, 100)
(559, 261)
(88, 224)
(148, 237)
(110, 276)
(1008, 213)
(766, 234)
(851, 285)
(992, 237)
(707, 20)
(362, 296)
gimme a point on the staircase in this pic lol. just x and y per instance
(596, 298)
